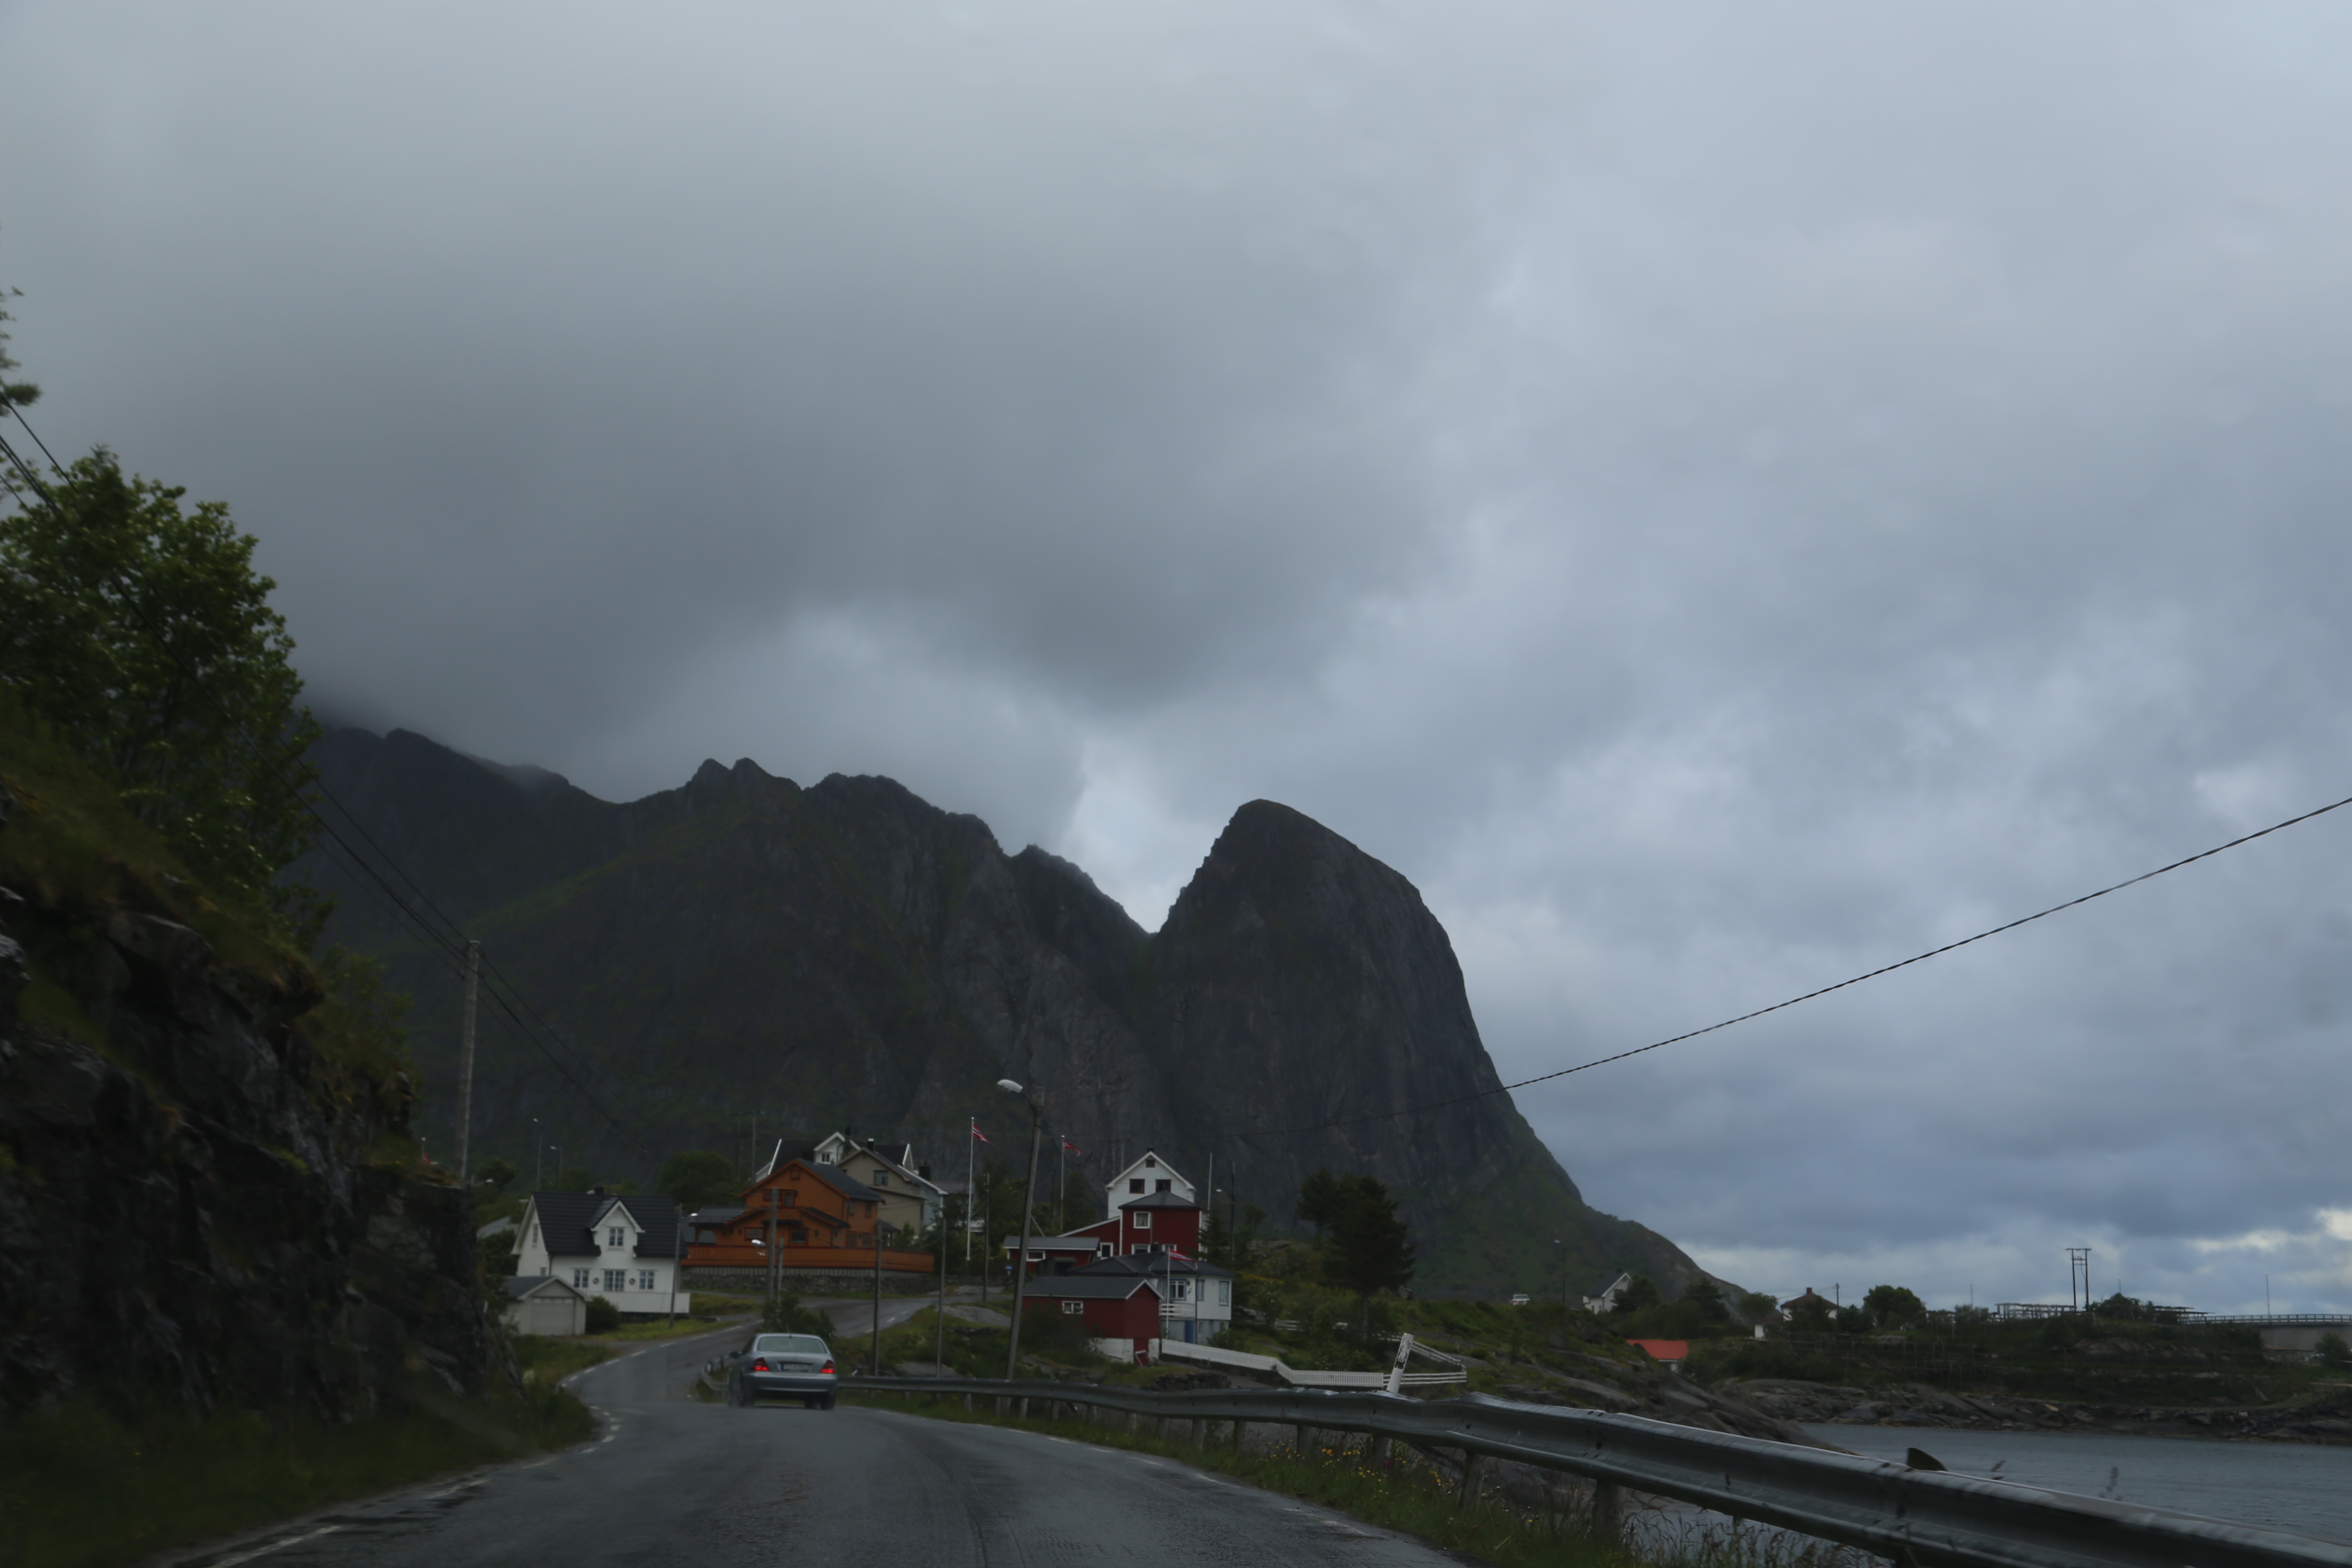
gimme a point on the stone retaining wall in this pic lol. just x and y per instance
(810, 1282)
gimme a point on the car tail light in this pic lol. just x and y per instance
(760, 1365)
(827, 1367)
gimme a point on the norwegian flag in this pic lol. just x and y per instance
(982, 1136)
(1073, 1148)
(1178, 1253)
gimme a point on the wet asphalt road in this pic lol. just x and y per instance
(668, 1480)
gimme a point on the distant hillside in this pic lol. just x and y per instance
(848, 956)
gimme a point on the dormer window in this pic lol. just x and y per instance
(616, 1237)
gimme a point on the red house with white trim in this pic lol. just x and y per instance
(1123, 1313)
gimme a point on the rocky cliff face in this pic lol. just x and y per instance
(845, 954)
(189, 1211)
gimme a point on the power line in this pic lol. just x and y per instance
(439, 930)
(1810, 996)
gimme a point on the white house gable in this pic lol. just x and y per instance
(1148, 1175)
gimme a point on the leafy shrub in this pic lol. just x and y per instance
(783, 1314)
(2334, 1351)
(603, 1316)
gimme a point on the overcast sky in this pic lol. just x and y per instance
(1722, 496)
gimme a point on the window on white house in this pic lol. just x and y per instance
(1224, 1292)
(881, 1179)
(1183, 1291)
(616, 1279)
(1151, 1162)
(1135, 1184)
(580, 1282)
(644, 1279)
(616, 1237)
(1163, 1185)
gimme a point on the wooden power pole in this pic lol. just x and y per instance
(466, 1064)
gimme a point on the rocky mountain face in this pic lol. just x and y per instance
(195, 1208)
(744, 949)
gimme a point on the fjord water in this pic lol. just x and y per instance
(2288, 1486)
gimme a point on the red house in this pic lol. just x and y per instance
(1123, 1313)
(1156, 1222)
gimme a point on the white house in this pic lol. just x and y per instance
(1196, 1298)
(621, 1247)
(1604, 1299)
(1148, 1175)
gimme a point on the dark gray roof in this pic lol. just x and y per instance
(568, 1221)
(1151, 1263)
(1057, 1243)
(522, 1285)
(1601, 1286)
(841, 1181)
(1111, 1287)
(1160, 1201)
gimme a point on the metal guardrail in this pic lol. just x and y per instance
(1928, 1517)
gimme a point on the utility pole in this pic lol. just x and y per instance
(877, 1288)
(466, 1062)
(1028, 1214)
(2078, 1277)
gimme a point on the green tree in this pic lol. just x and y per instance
(495, 1173)
(697, 1177)
(1320, 1197)
(1371, 1248)
(1640, 1292)
(783, 1314)
(1708, 1299)
(1756, 1306)
(1811, 1315)
(2334, 1351)
(1892, 1306)
(141, 631)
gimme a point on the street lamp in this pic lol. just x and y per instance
(1028, 1211)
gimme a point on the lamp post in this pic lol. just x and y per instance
(1028, 1211)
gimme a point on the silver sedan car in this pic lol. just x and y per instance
(783, 1366)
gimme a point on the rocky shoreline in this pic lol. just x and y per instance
(2326, 1419)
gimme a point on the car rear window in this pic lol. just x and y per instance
(789, 1344)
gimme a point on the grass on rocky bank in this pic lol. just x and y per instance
(83, 1488)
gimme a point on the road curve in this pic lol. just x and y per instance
(669, 1479)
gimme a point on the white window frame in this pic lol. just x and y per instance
(616, 1279)
(1074, 1306)
(646, 1279)
(618, 1236)
(579, 1279)
(1142, 1218)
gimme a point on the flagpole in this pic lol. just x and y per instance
(971, 1125)
(1061, 1186)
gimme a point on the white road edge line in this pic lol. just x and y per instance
(273, 1546)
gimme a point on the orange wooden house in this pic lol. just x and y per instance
(804, 1215)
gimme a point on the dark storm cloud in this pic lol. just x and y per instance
(1721, 496)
